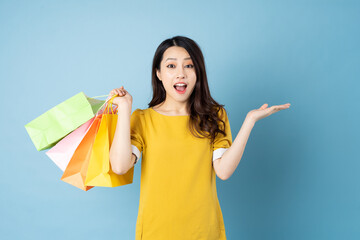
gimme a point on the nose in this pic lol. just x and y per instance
(180, 73)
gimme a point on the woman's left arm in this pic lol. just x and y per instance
(226, 165)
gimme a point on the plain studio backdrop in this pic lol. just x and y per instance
(299, 176)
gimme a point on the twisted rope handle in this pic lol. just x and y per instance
(108, 105)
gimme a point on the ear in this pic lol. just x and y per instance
(158, 74)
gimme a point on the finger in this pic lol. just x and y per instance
(279, 107)
(276, 108)
(264, 106)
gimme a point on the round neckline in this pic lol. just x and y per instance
(168, 115)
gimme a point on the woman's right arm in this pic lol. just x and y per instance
(121, 157)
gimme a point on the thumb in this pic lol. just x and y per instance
(264, 106)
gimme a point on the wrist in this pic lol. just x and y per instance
(124, 108)
(249, 119)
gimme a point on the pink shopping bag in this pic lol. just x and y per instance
(62, 152)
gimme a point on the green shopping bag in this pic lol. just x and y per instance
(49, 128)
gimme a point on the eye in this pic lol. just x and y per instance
(191, 66)
(170, 65)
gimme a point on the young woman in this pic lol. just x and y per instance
(185, 140)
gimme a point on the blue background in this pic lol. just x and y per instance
(299, 175)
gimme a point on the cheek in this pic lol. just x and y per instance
(168, 85)
(192, 86)
(169, 74)
(192, 76)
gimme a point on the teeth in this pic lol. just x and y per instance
(180, 84)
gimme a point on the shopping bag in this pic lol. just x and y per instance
(49, 128)
(75, 171)
(99, 171)
(62, 152)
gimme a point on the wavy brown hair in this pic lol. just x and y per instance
(204, 118)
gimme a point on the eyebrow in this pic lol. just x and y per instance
(176, 58)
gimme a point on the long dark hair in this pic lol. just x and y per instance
(204, 110)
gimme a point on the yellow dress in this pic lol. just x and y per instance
(178, 197)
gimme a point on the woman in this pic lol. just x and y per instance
(185, 140)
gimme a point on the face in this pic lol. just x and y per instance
(176, 66)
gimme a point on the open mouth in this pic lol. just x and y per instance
(180, 87)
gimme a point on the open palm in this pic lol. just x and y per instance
(265, 111)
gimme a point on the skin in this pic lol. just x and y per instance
(178, 68)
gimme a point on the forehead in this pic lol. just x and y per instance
(175, 52)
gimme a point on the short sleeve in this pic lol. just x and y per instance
(222, 143)
(136, 133)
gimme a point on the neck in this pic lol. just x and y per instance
(175, 107)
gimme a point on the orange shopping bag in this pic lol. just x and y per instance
(99, 171)
(75, 171)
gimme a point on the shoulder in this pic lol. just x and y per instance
(139, 111)
(221, 112)
(137, 119)
(139, 115)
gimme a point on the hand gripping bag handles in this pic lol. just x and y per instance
(77, 165)
(99, 171)
(49, 128)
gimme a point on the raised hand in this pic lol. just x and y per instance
(265, 111)
(124, 96)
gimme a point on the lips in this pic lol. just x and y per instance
(181, 89)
